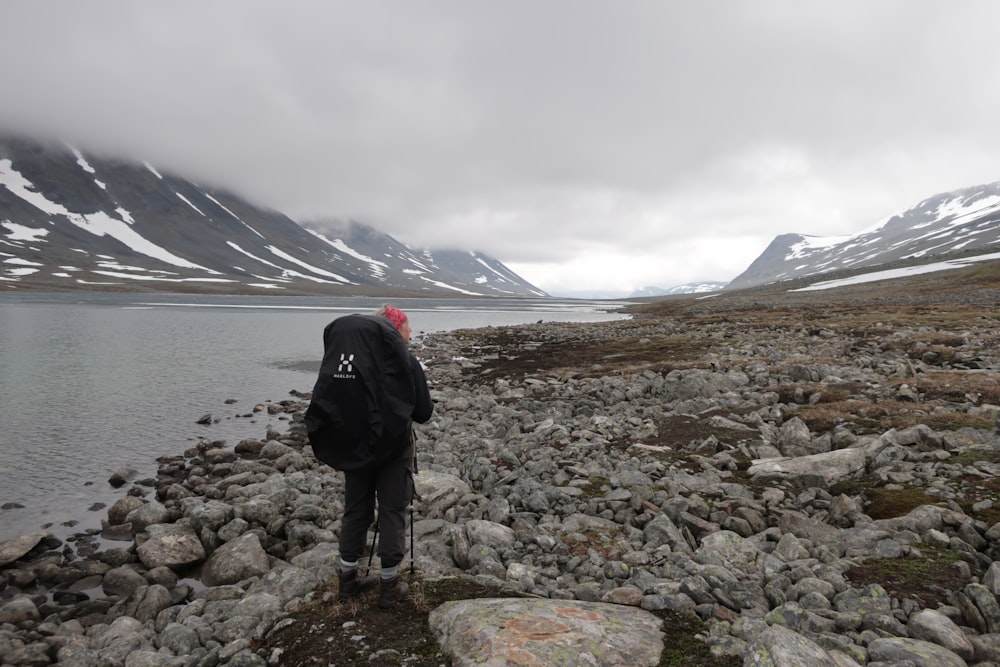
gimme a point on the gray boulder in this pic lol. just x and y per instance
(779, 646)
(234, 561)
(172, 545)
(920, 653)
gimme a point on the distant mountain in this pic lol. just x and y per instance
(687, 288)
(75, 221)
(962, 222)
(368, 251)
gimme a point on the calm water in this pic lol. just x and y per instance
(92, 383)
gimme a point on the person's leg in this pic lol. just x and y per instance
(359, 506)
(359, 509)
(394, 487)
(395, 491)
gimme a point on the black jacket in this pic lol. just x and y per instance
(369, 390)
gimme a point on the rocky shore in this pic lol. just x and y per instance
(814, 485)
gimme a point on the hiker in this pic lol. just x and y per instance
(369, 392)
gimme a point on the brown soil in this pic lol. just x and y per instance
(520, 352)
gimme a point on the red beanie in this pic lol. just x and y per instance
(396, 316)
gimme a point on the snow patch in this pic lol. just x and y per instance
(188, 202)
(484, 263)
(98, 224)
(125, 215)
(112, 265)
(237, 248)
(438, 283)
(220, 205)
(132, 276)
(21, 233)
(898, 273)
(20, 272)
(288, 258)
(961, 211)
(809, 243)
(377, 268)
(82, 161)
(419, 264)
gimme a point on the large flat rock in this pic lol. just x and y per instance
(11, 550)
(524, 631)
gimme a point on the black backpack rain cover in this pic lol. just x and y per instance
(363, 400)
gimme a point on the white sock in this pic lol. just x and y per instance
(348, 566)
(390, 572)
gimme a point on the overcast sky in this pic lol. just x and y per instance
(590, 146)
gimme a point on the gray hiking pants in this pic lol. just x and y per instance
(392, 485)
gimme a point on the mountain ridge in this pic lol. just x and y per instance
(948, 224)
(687, 288)
(70, 220)
(75, 221)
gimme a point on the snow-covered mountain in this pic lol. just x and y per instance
(75, 221)
(365, 249)
(962, 222)
(686, 288)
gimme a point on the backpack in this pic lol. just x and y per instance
(360, 411)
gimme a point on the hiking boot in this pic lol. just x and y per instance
(392, 591)
(351, 585)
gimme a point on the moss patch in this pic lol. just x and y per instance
(865, 417)
(885, 503)
(683, 648)
(327, 632)
(357, 632)
(517, 352)
(680, 431)
(928, 578)
(594, 488)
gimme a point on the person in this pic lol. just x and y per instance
(380, 466)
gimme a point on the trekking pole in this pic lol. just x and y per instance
(413, 496)
(371, 552)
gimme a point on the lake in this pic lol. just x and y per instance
(94, 382)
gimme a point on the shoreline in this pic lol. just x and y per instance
(51, 454)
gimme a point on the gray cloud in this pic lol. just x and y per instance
(588, 144)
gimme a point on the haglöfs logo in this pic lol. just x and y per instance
(345, 361)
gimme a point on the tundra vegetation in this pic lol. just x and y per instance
(941, 330)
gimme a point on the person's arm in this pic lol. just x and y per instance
(423, 406)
